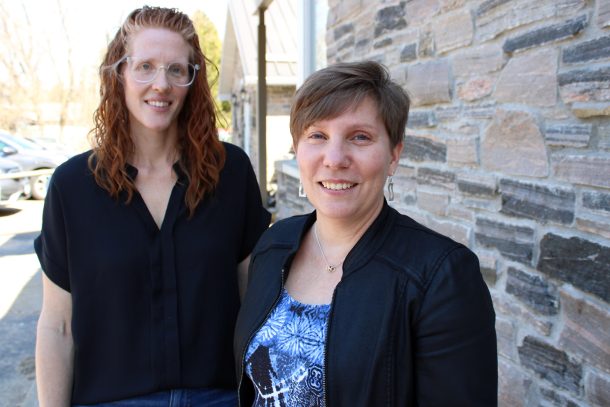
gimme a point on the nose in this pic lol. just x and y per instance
(160, 83)
(336, 153)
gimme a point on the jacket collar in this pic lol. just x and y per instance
(366, 247)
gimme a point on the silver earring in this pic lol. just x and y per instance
(302, 193)
(390, 188)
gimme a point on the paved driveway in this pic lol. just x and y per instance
(20, 300)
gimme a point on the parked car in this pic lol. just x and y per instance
(12, 189)
(32, 156)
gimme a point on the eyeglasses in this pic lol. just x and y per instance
(177, 73)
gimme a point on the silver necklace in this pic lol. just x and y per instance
(329, 267)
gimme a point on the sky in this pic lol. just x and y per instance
(91, 24)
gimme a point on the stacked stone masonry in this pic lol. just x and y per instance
(507, 150)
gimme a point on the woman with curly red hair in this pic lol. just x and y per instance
(146, 238)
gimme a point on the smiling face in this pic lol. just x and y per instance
(155, 106)
(344, 163)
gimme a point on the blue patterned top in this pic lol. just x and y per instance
(285, 359)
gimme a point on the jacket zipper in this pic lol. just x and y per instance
(243, 353)
(330, 315)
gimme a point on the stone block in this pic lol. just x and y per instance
(342, 31)
(435, 202)
(506, 306)
(514, 242)
(585, 110)
(448, 5)
(421, 10)
(424, 149)
(544, 35)
(479, 205)
(463, 152)
(603, 13)
(435, 177)
(597, 201)
(567, 135)
(495, 17)
(460, 212)
(428, 82)
(598, 48)
(454, 30)
(408, 53)
(454, 230)
(551, 364)
(577, 261)
(478, 61)
(488, 5)
(585, 85)
(529, 79)
(514, 145)
(385, 42)
(390, 19)
(478, 185)
(422, 118)
(556, 399)
(537, 202)
(533, 291)
(582, 169)
(475, 89)
(597, 388)
(585, 332)
(594, 224)
(425, 47)
(489, 267)
(511, 385)
(507, 338)
(448, 113)
(603, 140)
(483, 111)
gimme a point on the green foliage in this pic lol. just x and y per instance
(212, 48)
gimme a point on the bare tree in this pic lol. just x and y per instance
(20, 94)
(67, 77)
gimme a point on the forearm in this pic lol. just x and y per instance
(54, 365)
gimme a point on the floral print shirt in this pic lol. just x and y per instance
(285, 359)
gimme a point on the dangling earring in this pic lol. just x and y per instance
(302, 193)
(390, 188)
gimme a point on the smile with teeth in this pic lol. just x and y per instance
(337, 186)
(157, 103)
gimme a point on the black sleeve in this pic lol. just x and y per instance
(51, 245)
(455, 352)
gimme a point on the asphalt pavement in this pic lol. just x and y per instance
(20, 301)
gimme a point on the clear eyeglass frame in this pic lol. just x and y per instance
(150, 76)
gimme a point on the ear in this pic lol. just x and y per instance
(395, 153)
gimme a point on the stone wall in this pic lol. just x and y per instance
(507, 151)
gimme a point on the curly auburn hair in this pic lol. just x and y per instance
(202, 155)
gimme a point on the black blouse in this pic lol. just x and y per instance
(153, 309)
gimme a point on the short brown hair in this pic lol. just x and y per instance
(329, 92)
(202, 155)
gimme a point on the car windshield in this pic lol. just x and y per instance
(22, 142)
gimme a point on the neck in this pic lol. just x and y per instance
(338, 236)
(154, 149)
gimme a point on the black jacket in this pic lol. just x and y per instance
(411, 321)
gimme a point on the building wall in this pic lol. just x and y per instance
(507, 151)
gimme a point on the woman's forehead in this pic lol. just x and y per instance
(159, 43)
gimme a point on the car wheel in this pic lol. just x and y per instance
(39, 186)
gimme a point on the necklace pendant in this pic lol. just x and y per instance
(330, 268)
